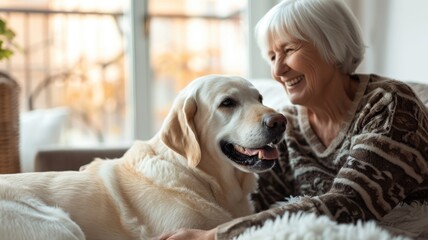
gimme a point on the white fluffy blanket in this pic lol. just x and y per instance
(411, 220)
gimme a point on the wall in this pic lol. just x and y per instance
(396, 34)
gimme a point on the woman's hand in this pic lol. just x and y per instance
(188, 234)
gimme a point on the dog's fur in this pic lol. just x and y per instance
(187, 175)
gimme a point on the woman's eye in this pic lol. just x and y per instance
(228, 102)
(272, 58)
(288, 50)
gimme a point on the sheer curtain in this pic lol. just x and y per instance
(396, 35)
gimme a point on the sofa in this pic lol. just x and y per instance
(64, 159)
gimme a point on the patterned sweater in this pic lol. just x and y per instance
(378, 160)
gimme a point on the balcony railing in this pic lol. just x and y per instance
(73, 59)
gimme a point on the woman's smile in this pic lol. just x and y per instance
(294, 81)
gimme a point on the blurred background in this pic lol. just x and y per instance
(105, 72)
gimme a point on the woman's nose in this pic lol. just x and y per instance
(279, 68)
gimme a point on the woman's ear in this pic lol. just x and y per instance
(178, 131)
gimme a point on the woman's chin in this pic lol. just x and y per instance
(295, 101)
(295, 98)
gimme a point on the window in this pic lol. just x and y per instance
(82, 55)
(191, 38)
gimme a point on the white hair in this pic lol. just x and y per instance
(328, 24)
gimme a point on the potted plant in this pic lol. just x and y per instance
(7, 36)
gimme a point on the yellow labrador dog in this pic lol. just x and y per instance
(197, 172)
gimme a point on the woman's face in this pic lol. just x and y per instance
(298, 66)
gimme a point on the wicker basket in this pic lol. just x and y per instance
(9, 124)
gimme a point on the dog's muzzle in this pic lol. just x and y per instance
(262, 158)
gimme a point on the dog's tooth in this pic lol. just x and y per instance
(239, 148)
(260, 155)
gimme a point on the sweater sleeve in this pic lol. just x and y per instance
(386, 162)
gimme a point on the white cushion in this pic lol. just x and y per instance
(274, 94)
(39, 128)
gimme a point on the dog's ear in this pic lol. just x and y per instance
(178, 131)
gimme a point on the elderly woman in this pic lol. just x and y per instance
(356, 145)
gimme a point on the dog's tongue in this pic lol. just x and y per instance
(262, 153)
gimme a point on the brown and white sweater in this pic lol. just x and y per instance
(378, 160)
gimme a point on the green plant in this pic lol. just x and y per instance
(7, 35)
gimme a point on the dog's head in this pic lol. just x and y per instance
(219, 117)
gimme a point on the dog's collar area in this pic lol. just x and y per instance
(254, 159)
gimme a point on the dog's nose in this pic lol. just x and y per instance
(275, 122)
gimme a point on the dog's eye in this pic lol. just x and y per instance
(228, 102)
(260, 98)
